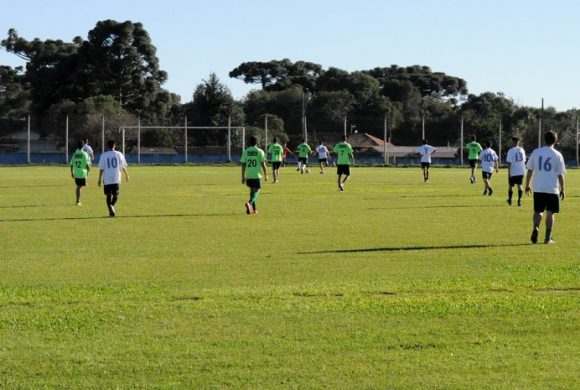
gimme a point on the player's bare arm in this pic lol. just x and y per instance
(561, 181)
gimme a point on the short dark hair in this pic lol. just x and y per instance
(551, 137)
(80, 144)
(253, 140)
(275, 139)
(473, 137)
(424, 141)
(516, 139)
(487, 144)
(344, 137)
(111, 143)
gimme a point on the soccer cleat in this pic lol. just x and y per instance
(519, 202)
(340, 187)
(471, 179)
(490, 192)
(79, 204)
(485, 192)
(111, 211)
(549, 241)
(534, 237)
(249, 208)
(509, 201)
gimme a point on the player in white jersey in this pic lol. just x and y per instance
(323, 155)
(425, 151)
(546, 164)
(489, 162)
(88, 150)
(111, 164)
(516, 158)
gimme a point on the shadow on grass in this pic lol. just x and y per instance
(38, 186)
(433, 207)
(120, 217)
(414, 248)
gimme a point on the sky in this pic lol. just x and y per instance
(526, 49)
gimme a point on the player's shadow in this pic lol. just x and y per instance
(413, 248)
(184, 215)
(434, 207)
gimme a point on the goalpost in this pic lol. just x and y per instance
(229, 129)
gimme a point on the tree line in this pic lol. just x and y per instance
(115, 71)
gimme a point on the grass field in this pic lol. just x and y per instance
(393, 283)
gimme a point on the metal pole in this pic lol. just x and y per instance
(499, 143)
(385, 158)
(461, 143)
(66, 141)
(185, 141)
(243, 138)
(28, 141)
(577, 140)
(229, 138)
(303, 115)
(540, 125)
(103, 135)
(266, 130)
(345, 125)
(138, 140)
(123, 140)
(423, 127)
(305, 129)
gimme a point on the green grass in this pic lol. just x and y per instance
(391, 284)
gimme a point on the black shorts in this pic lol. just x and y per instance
(80, 182)
(254, 183)
(323, 160)
(343, 169)
(111, 189)
(425, 165)
(276, 164)
(544, 201)
(472, 163)
(303, 160)
(486, 175)
(515, 180)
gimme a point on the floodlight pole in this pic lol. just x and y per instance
(103, 135)
(185, 139)
(123, 139)
(461, 142)
(266, 130)
(577, 141)
(385, 158)
(345, 125)
(423, 127)
(66, 141)
(28, 140)
(499, 143)
(540, 125)
(229, 138)
(139, 139)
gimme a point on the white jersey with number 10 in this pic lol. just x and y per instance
(112, 163)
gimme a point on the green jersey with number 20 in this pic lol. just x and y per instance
(343, 151)
(253, 157)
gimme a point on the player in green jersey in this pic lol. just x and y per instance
(344, 157)
(79, 169)
(275, 151)
(473, 150)
(253, 160)
(303, 151)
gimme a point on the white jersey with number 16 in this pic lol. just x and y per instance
(547, 164)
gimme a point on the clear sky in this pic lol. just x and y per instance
(526, 49)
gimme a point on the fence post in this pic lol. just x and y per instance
(185, 135)
(229, 138)
(28, 140)
(103, 135)
(138, 140)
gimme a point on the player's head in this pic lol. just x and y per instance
(86, 141)
(424, 142)
(551, 137)
(275, 139)
(487, 144)
(80, 144)
(344, 138)
(320, 143)
(111, 144)
(303, 140)
(516, 140)
(253, 140)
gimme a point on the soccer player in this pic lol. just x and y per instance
(489, 162)
(516, 158)
(303, 151)
(275, 150)
(323, 154)
(426, 151)
(344, 157)
(79, 169)
(88, 150)
(473, 150)
(253, 159)
(111, 164)
(546, 164)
